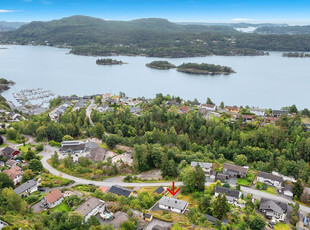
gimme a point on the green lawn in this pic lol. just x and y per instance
(282, 226)
(13, 141)
(270, 189)
(104, 145)
(62, 207)
(3, 145)
(24, 148)
(246, 181)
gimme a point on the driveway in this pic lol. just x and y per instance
(155, 222)
(89, 110)
(37, 207)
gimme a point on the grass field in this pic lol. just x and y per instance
(282, 226)
(270, 189)
(246, 181)
(62, 207)
(3, 145)
(24, 148)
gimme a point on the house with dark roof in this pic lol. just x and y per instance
(27, 188)
(288, 190)
(278, 113)
(235, 170)
(9, 153)
(72, 146)
(211, 219)
(90, 208)
(121, 191)
(97, 154)
(52, 199)
(221, 177)
(274, 210)
(159, 191)
(269, 179)
(232, 195)
(119, 218)
(172, 204)
(206, 167)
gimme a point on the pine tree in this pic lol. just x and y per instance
(200, 178)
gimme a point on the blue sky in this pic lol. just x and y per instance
(293, 11)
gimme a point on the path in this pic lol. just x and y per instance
(89, 110)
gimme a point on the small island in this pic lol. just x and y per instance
(204, 68)
(108, 61)
(5, 84)
(296, 54)
(160, 65)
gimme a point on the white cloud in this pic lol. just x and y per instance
(242, 19)
(6, 11)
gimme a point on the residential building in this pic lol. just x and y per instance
(288, 190)
(208, 107)
(103, 189)
(119, 218)
(206, 167)
(278, 113)
(204, 112)
(72, 146)
(232, 195)
(54, 115)
(90, 208)
(175, 205)
(148, 217)
(174, 102)
(97, 154)
(11, 163)
(52, 199)
(103, 108)
(211, 219)
(269, 179)
(135, 110)
(120, 191)
(221, 177)
(27, 188)
(235, 170)
(245, 118)
(258, 112)
(15, 173)
(159, 191)
(184, 109)
(79, 104)
(9, 153)
(274, 210)
(232, 109)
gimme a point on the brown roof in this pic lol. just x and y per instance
(97, 154)
(232, 108)
(120, 217)
(208, 105)
(13, 172)
(53, 196)
(88, 206)
(184, 109)
(103, 189)
(235, 168)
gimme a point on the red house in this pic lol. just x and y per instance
(10, 153)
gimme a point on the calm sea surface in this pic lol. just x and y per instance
(264, 81)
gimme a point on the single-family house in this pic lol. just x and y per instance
(9, 153)
(73, 146)
(270, 179)
(103, 108)
(159, 191)
(232, 109)
(148, 217)
(184, 109)
(173, 102)
(274, 210)
(206, 167)
(135, 110)
(121, 191)
(211, 219)
(103, 189)
(97, 154)
(52, 199)
(119, 218)
(90, 208)
(288, 190)
(244, 118)
(221, 177)
(258, 112)
(235, 170)
(27, 188)
(232, 195)
(175, 205)
(278, 113)
(79, 104)
(208, 106)
(15, 173)
(11, 163)
(204, 112)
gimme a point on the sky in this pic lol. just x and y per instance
(252, 11)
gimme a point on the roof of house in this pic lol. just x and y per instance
(235, 168)
(203, 111)
(221, 176)
(53, 196)
(27, 185)
(227, 191)
(277, 206)
(97, 154)
(103, 189)
(147, 215)
(158, 227)
(88, 206)
(185, 109)
(202, 164)
(119, 218)
(120, 191)
(11, 163)
(232, 108)
(288, 187)
(8, 150)
(211, 218)
(13, 172)
(208, 105)
(173, 203)
(159, 190)
(270, 176)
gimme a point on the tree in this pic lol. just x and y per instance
(93, 221)
(35, 165)
(209, 101)
(28, 175)
(5, 181)
(11, 134)
(222, 105)
(55, 159)
(200, 178)
(298, 189)
(189, 179)
(67, 138)
(220, 206)
(99, 130)
(293, 109)
(112, 140)
(140, 157)
(11, 201)
(1, 140)
(241, 160)
(257, 223)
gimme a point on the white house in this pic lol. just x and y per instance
(232, 195)
(288, 190)
(208, 107)
(172, 204)
(270, 179)
(27, 188)
(15, 173)
(274, 210)
(52, 199)
(90, 208)
(258, 112)
(206, 167)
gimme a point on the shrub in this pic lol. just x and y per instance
(54, 143)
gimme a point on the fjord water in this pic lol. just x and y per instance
(264, 81)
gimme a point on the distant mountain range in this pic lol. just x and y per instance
(235, 25)
(288, 30)
(7, 26)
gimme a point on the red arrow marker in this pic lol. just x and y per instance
(173, 192)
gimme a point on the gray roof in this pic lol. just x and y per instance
(173, 203)
(202, 164)
(120, 217)
(221, 176)
(120, 191)
(88, 206)
(235, 168)
(211, 218)
(288, 187)
(270, 176)
(227, 191)
(27, 185)
(97, 154)
(277, 206)
(11, 163)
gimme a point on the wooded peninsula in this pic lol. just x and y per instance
(109, 61)
(296, 54)
(204, 68)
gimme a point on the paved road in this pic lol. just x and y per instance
(89, 110)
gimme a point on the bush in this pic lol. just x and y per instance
(32, 199)
(39, 147)
(54, 143)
